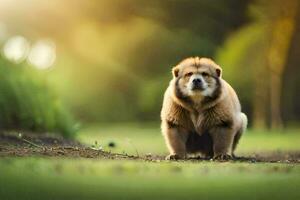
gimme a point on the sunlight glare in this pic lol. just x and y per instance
(16, 49)
(42, 54)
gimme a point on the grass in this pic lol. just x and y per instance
(36, 178)
(144, 139)
(56, 178)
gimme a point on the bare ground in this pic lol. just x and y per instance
(15, 145)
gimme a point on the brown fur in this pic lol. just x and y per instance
(211, 125)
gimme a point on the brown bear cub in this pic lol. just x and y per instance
(201, 112)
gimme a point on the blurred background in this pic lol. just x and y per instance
(67, 64)
(93, 72)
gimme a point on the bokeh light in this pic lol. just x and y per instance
(16, 49)
(42, 54)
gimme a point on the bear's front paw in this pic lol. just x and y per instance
(173, 157)
(223, 157)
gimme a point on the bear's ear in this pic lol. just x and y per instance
(219, 71)
(175, 71)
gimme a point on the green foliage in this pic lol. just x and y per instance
(242, 58)
(27, 102)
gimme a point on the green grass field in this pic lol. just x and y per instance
(143, 139)
(57, 178)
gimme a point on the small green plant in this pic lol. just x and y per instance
(97, 146)
(20, 136)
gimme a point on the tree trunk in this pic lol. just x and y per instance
(275, 101)
(282, 30)
(291, 81)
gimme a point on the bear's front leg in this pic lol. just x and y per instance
(175, 138)
(222, 142)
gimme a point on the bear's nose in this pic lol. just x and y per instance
(197, 81)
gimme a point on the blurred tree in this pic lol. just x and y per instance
(291, 81)
(135, 44)
(114, 57)
(282, 20)
(244, 67)
(271, 32)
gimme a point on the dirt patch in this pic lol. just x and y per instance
(31, 139)
(79, 152)
(14, 144)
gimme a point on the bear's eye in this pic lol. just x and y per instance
(205, 74)
(189, 74)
